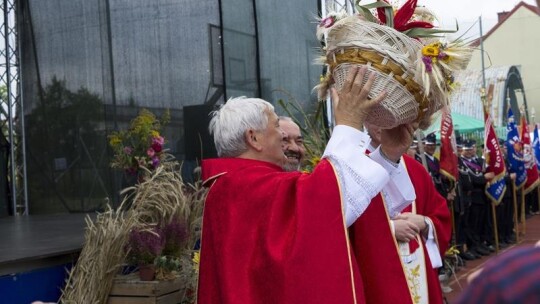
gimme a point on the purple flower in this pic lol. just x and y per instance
(155, 161)
(145, 245)
(175, 234)
(427, 63)
(128, 150)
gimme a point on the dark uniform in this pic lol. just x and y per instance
(462, 205)
(434, 167)
(478, 222)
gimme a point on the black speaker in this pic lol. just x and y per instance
(197, 140)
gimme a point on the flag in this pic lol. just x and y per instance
(528, 157)
(514, 147)
(496, 187)
(448, 154)
(536, 146)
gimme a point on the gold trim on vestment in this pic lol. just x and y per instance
(346, 231)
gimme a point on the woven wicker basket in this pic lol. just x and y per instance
(390, 54)
(397, 108)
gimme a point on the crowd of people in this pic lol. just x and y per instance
(474, 227)
(370, 223)
(272, 234)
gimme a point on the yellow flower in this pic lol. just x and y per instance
(114, 140)
(155, 134)
(196, 260)
(431, 50)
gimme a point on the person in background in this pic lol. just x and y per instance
(505, 210)
(433, 165)
(478, 221)
(293, 144)
(462, 204)
(413, 149)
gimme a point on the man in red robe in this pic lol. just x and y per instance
(271, 236)
(380, 237)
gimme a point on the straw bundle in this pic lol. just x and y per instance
(159, 198)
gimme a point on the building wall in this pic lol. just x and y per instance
(516, 42)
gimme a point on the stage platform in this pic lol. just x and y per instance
(35, 253)
(34, 240)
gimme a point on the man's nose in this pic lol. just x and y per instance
(292, 146)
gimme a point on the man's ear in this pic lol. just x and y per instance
(252, 140)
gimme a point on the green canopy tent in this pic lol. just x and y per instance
(464, 125)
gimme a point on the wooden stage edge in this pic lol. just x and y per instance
(39, 241)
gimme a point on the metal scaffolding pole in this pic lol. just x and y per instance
(12, 114)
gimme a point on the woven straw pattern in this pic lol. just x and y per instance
(393, 57)
(398, 107)
(355, 32)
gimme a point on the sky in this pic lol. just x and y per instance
(466, 12)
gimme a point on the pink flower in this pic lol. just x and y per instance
(150, 152)
(158, 140)
(328, 21)
(128, 150)
(157, 143)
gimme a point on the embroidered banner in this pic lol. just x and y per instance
(528, 157)
(514, 146)
(496, 187)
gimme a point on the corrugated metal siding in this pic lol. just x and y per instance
(466, 99)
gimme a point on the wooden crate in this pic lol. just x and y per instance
(129, 289)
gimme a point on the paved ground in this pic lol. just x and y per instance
(459, 282)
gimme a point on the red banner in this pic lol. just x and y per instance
(448, 154)
(496, 187)
(528, 157)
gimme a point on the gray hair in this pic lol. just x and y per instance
(233, 119)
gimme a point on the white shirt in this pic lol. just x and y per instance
(362, 177)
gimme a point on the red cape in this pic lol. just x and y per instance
(274, 237)
(376, 250)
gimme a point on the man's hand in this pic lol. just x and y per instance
(395, 142)
(405, 230)
(352, 104)
(513, 176)
(416, 219)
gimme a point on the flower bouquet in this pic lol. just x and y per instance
(140, 148)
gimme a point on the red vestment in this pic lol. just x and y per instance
(376, 249)
(274, 237)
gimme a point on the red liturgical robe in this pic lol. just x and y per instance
(274, 237)
(376, 249)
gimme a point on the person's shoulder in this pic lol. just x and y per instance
(412, 163)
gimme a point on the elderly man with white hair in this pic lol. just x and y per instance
(271, 236)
